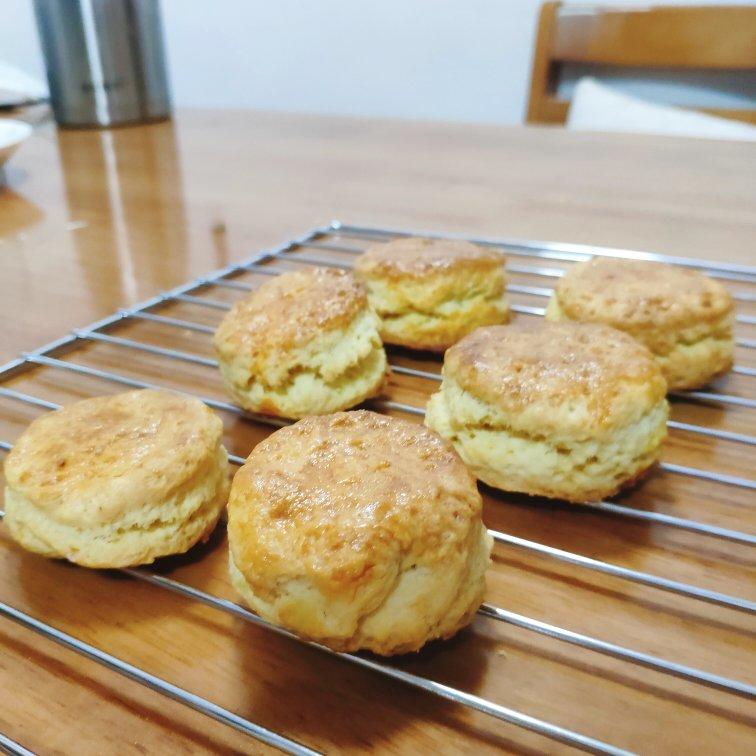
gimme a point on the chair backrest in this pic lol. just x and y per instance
(690, 38)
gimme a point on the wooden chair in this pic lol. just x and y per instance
(692, 38)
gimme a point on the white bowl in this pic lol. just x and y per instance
(12, 133)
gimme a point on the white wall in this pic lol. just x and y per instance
(19, 45)
(465, 60)
(418, 59)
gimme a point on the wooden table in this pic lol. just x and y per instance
(94, 221)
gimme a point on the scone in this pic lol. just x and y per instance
(304, 343)
(429, 293)
(567, 410)
(358, 531)
(684, 317)
(118, 480)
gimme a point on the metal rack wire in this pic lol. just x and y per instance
(329, 238)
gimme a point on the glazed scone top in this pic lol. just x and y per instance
(418, 257)
(638, 294)
(346, 499)
(289, 310)
(90, 462)
(569, 376)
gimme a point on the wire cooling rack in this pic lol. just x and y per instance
(710, 446)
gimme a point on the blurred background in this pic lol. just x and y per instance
(425, 59)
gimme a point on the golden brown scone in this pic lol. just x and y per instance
(567, 410)
(358, 531)
(304, 343)
(684, 317)
(429, 293)
(117, 480)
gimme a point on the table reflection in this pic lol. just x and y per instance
(123, 190)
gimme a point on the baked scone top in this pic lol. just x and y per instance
(566, 374)
(639, 294)
(93, 460)
(417, 257)
(344, 499)
(287, 311)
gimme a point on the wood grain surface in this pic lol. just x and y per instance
(94, 221)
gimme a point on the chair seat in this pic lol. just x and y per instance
(597, 107)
